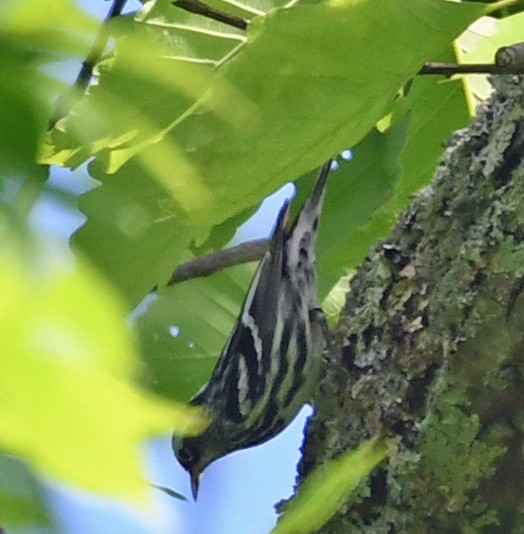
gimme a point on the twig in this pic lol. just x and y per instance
(508, 60)
(84, 76)
(86, 71)
(198, 7)
(449, 69)
(216, 261)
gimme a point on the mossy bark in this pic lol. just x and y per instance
(432, 347)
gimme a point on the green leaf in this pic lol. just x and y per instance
(311, 96)
(334, 302)
(322, 97)
(160, 68)
(48, 29)
(437, 108)
(133, 234)
(366, 195)
(66, 378)
(326, 488)
(356, 192)
(162, 65)
(184, 329)
(288, 100)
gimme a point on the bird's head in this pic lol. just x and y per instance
(194, 454)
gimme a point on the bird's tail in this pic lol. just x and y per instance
(301, 238)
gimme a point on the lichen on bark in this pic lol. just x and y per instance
(431, 346)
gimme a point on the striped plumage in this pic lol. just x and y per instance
(272, 359)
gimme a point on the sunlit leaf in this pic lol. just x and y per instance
(69, 406)
(490, 35)
(334, 302)
(278, 107)
(313, 97)
(326, 488)
(319, 83)
(161, 65)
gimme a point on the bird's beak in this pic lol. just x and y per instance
(195, 480)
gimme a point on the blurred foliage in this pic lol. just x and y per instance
(33, 34)
(188, 126)
(22, 495)
(63, 332)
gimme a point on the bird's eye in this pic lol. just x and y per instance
(186, 455)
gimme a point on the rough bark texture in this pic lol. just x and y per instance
(432, 345)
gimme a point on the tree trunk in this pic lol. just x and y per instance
(431, 347)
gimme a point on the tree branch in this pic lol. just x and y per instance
(508, 60)
(195, 6)
(86, 71)
(84, 76)
(206, 265)
(450, 69)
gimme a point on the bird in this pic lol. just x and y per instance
(273, 357)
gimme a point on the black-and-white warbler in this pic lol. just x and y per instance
(271, 362)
